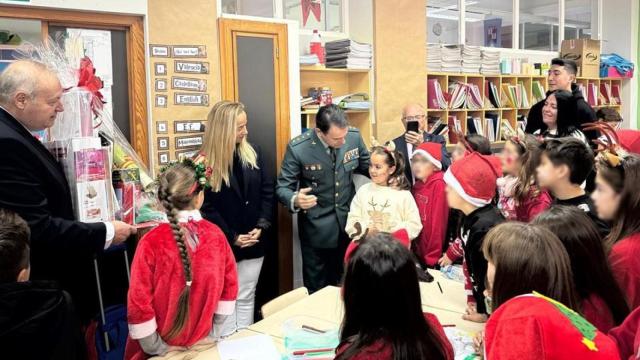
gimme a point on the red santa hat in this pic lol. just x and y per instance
(629, 140)
(432, 151)
(401, 235)
(474, 178)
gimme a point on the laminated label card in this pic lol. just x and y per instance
(192, 99)
(191, 84)
(189, 141)
(188, 126)
(191, 67)
(187, 51)
(160, 50)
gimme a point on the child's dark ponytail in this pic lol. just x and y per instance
(394, 158)
(175, 193)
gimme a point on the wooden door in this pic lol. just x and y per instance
(254, 71)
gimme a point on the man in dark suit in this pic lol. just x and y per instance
(33, 184)
(410, 140)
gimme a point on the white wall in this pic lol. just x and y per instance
(619, 35)
(138, 7)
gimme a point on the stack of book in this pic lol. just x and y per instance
(451, 60)
(490, 62)
(357, 101)
(434, 57)
(348, 54)
(471, 59)
(464, 96)
(309, 59)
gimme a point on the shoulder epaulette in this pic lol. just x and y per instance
(301, 138)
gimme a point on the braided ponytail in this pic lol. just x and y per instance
(174, 194)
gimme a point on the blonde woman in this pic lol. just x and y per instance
(240, 201)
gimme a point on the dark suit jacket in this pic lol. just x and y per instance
(33, 184)
(239, 210)
(401, 145)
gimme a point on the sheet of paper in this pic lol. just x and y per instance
(249, 348)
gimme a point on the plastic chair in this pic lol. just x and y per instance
(283, 301)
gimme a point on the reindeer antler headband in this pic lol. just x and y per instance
(609, 152)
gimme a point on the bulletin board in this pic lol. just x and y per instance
(185, 75)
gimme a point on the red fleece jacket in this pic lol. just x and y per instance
(434, 212)
(157, 280)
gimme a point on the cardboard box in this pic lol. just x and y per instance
(586, 54)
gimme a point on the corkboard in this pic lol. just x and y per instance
(185, 88)
(400, 61)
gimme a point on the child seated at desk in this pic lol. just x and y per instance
(37, 320)
(383, 311)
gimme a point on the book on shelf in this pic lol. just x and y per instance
(524, 97)
(615, 94)
(605, 90)
(435, 97)
(507, 130)
(439, 128)
(458, 93)
(455, 127)
(538, 91)
(493, 94)
(583, 90)
(492, 127)
(509, 94)
(473, 99)
(522, 122)
(592, 98)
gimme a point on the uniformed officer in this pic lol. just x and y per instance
(321, 163)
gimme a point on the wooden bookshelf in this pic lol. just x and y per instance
(511, 114)
(341, 82)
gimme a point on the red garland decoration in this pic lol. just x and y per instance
(310, 6)
(88, 80)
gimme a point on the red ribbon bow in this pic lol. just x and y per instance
(88, 80)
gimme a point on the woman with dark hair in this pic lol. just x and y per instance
(560, 117)
(601, 301)
(532, 297)
(383, 316)
(617, 199)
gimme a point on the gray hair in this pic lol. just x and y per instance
(20, 76)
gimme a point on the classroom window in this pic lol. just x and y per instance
(489, 23)
(443, 17)
(578, 19)
(539, 24)
(263, 8)
(323, 15)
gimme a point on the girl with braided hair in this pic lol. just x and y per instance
(183, 277)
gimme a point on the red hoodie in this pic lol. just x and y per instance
(625, 264)
(627, 336)
(434, 212)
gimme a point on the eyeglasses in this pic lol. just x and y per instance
(413, 118)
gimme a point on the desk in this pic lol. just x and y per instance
(326, 305)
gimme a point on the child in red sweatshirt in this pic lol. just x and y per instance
(429, 193)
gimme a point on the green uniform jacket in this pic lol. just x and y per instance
(307, 164)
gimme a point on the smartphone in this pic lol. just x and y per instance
(413, 126)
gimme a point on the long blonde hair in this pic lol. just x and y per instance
(220, 142)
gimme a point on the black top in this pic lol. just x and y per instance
(39, 311)
(33, 184)
(243, 205)
(474, 227)
(585, 113)
(584, 203)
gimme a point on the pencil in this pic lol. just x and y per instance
(439, 287)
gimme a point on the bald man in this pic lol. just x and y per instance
(410, 140)
(33, 184)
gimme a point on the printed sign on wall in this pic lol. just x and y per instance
(189, 84)
(189, 141)
(191, 67)
(189, 51)
(191, 99)
(160, 50)
(188, 126)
